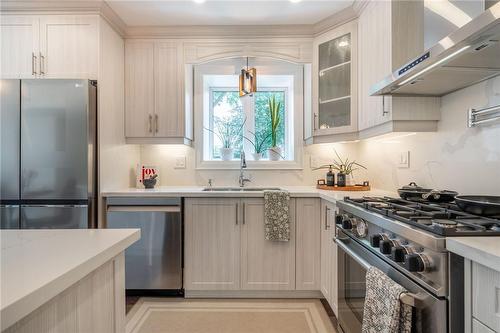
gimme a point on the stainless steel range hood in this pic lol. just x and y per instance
(469, 55)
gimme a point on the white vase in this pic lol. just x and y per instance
(274, 153)
(350, 180)
(257, 156)
(226, 154)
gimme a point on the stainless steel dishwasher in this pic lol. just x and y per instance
(153, 265)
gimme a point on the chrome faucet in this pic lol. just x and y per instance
(243, 165)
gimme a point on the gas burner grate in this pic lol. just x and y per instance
(444, 219)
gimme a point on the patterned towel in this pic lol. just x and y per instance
(276, 215)
(383, 311)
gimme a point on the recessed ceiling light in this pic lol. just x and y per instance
(199, 1)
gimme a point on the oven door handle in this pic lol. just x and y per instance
(413, 300)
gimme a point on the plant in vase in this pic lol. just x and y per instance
(228, 134)
(274, 152)
(259, 143)
(345, 169)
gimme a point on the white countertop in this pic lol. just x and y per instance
(37, 265)
(197, 191)
(483, 250)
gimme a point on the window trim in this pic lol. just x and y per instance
(264, 67)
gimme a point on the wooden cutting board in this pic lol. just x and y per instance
(344, 188)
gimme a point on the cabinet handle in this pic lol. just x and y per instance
(33, 63)
(156, 123)
(326, 218)
(314, 121)
(384, 111)
(42, 64)
(243, 213)
(150, 123)
(237, 205)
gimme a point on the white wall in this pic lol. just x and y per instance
(455, 157)
(116, 159)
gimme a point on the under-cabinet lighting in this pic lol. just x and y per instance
(199, 1)
(425, 70)
(295, 1)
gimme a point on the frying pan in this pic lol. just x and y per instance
(479, 204)
(414, 192)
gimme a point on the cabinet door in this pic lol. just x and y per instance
(335, 83)
(139, 89)
(265, 265)
(374, 62)
(19, 46)
(69, 46)
(169, 113)
(212, 244)
(308, 245)
(326, 226)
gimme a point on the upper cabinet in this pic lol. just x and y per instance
(334, 85)
(156, 110)
(391, 33)
(49, 46)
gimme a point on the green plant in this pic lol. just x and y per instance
(259, 141)
(227, 132)
(342, 166)
(274, 111)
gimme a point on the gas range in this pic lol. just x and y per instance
(444, 219)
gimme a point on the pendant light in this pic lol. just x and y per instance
(248, 81)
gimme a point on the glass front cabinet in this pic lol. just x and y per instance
(334, 81)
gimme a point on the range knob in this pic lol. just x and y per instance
(416, 262)
(398, 253)
(339, 219)
(375, 240)
(386, 246)
(346, 223)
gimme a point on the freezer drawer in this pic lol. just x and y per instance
(10, 123)
(54, 217)
(155, 261)
(9, 217)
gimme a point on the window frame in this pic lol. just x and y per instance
(293, 140)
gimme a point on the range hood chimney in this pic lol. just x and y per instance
(467, 56)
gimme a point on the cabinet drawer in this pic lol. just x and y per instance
(486, 296)
(478, 327)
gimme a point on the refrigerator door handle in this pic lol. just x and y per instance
(42, 64)
(33, 64)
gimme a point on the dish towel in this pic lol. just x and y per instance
(276, 215)
(383, 311)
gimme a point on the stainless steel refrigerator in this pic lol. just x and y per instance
(48, 156)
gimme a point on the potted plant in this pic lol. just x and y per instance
(259, 143)
(274, 152)
(345, 170)
(228, 134)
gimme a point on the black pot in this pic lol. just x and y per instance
(416, 193)
(341, 179)
(479, 204)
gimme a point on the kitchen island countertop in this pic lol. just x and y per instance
(37, 265)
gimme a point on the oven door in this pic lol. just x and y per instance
(353, 262)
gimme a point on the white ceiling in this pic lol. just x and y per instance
(225, 12)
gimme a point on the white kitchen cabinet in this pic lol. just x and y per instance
(334, 86)
(50, 46)
(156, 110)
(265, 265)
(478, 327)
(212, 244)
(486, 296)
(390, 34)
(19, 37)
(328, 255)
(308, 247)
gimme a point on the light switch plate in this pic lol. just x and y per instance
(404, 160)
(180, 162)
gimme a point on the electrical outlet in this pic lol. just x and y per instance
(180, 162)
(314, 162)
(404, 160)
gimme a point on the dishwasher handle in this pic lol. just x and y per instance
(166, 209)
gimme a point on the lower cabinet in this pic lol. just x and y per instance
(328, 285)
(226, 250)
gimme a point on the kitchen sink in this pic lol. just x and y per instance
(240, 189)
